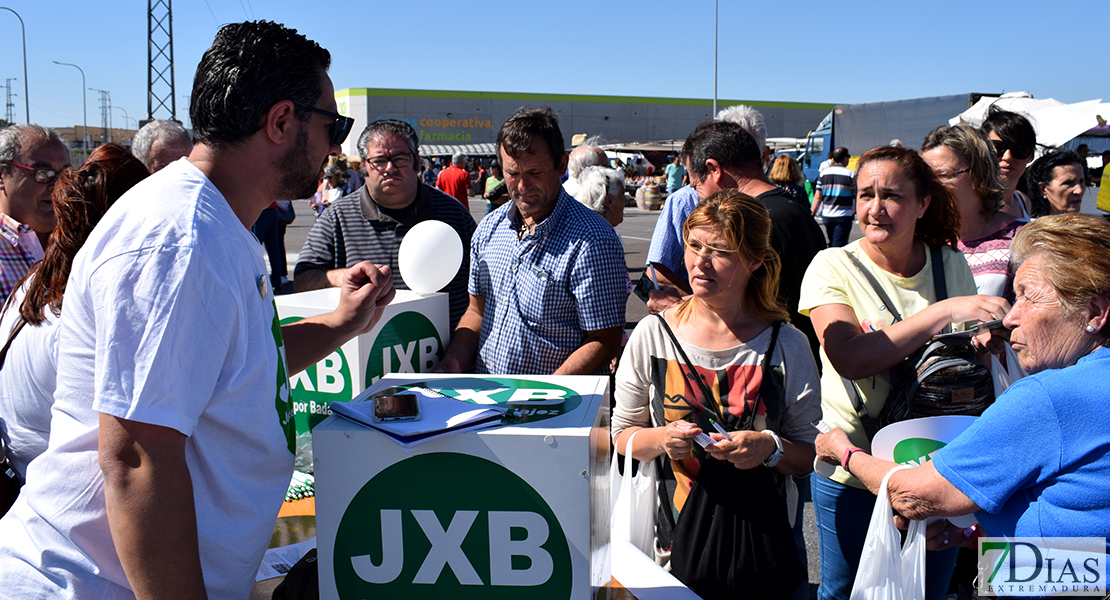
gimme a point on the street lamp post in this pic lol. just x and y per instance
(84, 109)
(714, 115)
(23, 36)
(126, 119)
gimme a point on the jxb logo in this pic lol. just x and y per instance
(408, 343)
(450, 525)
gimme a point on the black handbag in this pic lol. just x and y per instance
(302, 582)
(733, 538)
(940, 378)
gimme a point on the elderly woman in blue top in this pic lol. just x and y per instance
(1035, 464)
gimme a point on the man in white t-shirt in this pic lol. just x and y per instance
(171, 439)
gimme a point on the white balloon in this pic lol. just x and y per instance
(430, 256)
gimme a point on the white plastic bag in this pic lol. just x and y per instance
(634, 501)
(887, 569)
(1004, 377)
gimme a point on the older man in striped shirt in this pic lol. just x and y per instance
(370, 223)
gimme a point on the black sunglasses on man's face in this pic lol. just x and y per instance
(340, 128)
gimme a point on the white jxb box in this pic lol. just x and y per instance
(410, 337)
(515, 511)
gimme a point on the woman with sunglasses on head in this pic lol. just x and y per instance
(725, 355)
(29, 325)
(964, 162)
(1056, 183)
(1014, 140)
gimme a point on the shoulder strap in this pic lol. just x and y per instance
(15, 331)
(765, 372)
(693, 374)
(771, 348)
(850, 386)
(883, 297)
(938, 280)
(938, 274)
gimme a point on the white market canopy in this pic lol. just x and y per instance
(1055, 122)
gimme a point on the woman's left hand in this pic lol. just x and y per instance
(943, 535)
(830, 446)
(746, 449)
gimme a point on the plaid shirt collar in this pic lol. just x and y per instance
(10, 229)
(555, 216)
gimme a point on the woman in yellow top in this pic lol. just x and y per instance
(903, 211)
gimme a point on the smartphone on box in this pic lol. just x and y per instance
(396, 407)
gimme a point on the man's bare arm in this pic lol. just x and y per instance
(597, 349)
(149, 496)
(463, 349)
(316, 279)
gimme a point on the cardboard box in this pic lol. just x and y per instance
(515, 511)
(410, 338)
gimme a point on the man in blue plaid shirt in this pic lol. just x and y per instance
(547, 274)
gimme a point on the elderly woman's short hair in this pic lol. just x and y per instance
(1075, 250)
(585, 156)
(972, 147)
(595, 183)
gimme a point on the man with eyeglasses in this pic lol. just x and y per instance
(174, 437)
(722, 155)
(31, 157)
(370, 222)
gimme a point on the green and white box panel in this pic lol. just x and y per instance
(515, 511)
(410, 338)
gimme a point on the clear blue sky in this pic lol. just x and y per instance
(804, 51)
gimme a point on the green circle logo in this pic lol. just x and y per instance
(521, 400)
(408, 343)
(448, 525)
(916, 450)
(314, 389)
